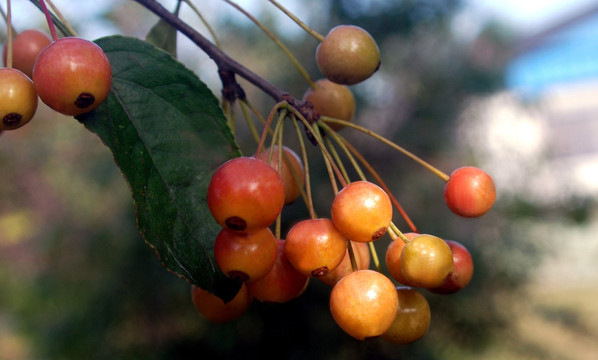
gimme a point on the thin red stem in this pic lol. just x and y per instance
(49, 20)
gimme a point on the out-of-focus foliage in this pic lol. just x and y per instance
(78, 282)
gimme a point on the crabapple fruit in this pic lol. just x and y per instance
(362, 258)
(362, 211)
(245, 256)
(291, 171)
(331, 100)
(18, 100)
(25, 48)
(426, 261)
(245, 194)
(348, 55)
(412, 320)
(462, 272)
(364, 304)
(469, 192)
(315, 247)
(214, 309)
(72, 75)
(393, 258)
(283, 283)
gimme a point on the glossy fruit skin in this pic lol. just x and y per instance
(25, 48)
(282, 284)
(214, 309)
(469, 192)
(331, 100)
(362, 211)
(315, 247)
(364, 304)
(18, 99)
(348, 55)
(426, 261)
(245, 256)
(362, 258)
(245, 194)
(412, 320)
(462, 273)
(393, 258)
(72, 76)
(291, 173)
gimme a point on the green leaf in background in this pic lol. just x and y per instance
(167, 134)
(163, 35)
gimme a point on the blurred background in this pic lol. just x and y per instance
(508, 86)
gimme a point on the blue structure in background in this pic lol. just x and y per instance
(565, 53)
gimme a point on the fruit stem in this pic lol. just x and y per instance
(400, 149)
(204, 22)
(8, 18)
(243, 104)
(373, 172)
(280, 105)
(308, 196)
(352, 256)
(49, 20)
(62, 18)
(337, 158)
(374, 254)
(307, 29)
(350, 151)
(318, 138)
(277, 41)
(396, 234)
(222, 60)
(278, 224)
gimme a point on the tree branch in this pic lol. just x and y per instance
(224, 62)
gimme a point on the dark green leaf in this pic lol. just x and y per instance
(163, 35)
(167, 134)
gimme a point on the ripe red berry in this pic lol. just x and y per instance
(283, 283)
(214, 309)
(315, 247)
(245, 256)
(72, 75)
(412, 320)
(291, 171)
(245, 194)
(462, 272)
(426, 261)
(348, 55)
(362, 211)
(25, 48)
(364, 304)
(18, 100)
(469, 192)
(332, 100)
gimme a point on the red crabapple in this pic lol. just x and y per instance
(25, 48)
(469, 192)
(72, 75)
(462, 273)
(245, 194)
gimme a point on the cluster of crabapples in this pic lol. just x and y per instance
(247, 194)
(71, 75)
